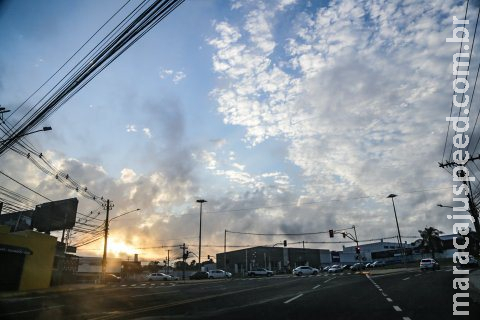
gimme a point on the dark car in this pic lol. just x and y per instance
(109, 278)
(199, 275)
(358, 267)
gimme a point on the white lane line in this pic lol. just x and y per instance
(296, 297)
(397, 308)
(418, 275)
(384, 294)
(316, 287)
(406, 278)
(149, 294)
(328, 280)
(34, 310)
(389, 300)
(406, 318)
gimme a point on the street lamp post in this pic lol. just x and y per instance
(398, 228)
(201, 201)
(26, 134)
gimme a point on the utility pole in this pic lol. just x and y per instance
(184, 258)
(168, 261)
(201, 201)
(108, 207)
(225, 251)
(473, 208)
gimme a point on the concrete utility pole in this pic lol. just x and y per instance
(225, 251)
(168, 261)
(184, 258)
(104, 261)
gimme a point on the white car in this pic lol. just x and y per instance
(429, 263)
(160, 277)
(218, 274)
(305, 270)
(335, 268)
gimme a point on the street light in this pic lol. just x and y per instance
(26, 134)
(398, 228)
(201, 201)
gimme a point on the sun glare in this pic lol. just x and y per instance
(118, 248)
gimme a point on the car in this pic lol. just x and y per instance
(346, 267)
(218, 274)
(429, 264)
(335, 268)
(325, 269)
(377, 264)
(160, 277)
(358, 267)
(199, 275)
(472, 262)
(109, 278)
(304, 270)
(368, 265)
(260, 272)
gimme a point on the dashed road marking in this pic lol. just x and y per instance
(406, 318)
(397, 308)
(316, 287)
(406, 278)
(389, 300)
(294, 298)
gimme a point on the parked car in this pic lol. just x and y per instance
(346, 267)
(377, 264)
(357, 267)
(305, 270)
(109, 278)
(260, 272)
(160, 277)
(368, 265)
(429, 264)
(199, 275)
(218, 274)
(335, 268)
(325, 269)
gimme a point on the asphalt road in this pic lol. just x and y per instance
(407, 295)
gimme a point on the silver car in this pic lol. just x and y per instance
(305, 270)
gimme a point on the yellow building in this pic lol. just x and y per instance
(26, 259)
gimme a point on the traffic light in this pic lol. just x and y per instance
(357, 250)
(284, 243)
(208, 257)
(344, 234)
(330, 232)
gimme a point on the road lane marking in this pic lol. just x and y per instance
(294, 298)
(328, 280)
(397, 308)
(418, 275)
(389, 300)
(316, 287)
(152, 294)
(406, 278)
(406, 318)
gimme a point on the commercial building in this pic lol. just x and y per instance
(277, 259)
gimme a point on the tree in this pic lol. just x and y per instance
(193, 263)
(431, 241)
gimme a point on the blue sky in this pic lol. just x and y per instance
(255, 105)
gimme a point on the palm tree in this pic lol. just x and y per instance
(431, 240)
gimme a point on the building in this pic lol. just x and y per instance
(26, 259)
(277, 259)
(387, 251)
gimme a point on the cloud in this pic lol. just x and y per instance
(131, 128)
(147, 132)
(352, 90)
(176, 76)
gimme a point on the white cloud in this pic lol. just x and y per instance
(128, 175)
(176, 76)
(147, 132)
(131, 128)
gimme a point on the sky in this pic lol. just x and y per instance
(287, 116)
